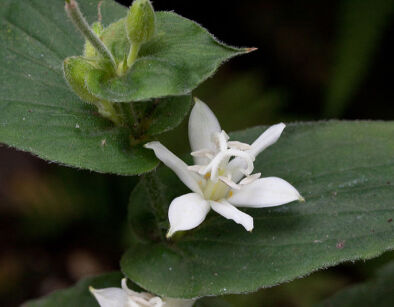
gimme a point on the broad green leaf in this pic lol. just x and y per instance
(78, 295)
(39, 113)
(376, 292)
(345, 172)
(179, 57)
(361, 26)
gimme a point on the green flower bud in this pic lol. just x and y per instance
(140, 22)
(75, 71)
(89, 50)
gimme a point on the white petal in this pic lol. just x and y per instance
(230, 212)
(179, 167)
(110, 297)
(203, 124)
(131, 293)
(187, 212)
(269, 137)
(156, 302)
(174, 302)
(265, 192)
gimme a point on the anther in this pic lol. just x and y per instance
(250, 179)
(239, 145)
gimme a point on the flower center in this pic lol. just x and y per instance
(217, 183)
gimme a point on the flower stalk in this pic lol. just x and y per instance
(75, 14)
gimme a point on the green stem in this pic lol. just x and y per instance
(133, 53)
(136, 119)
(131, 118)
(156, 199)
(82, 25)
(107, 110)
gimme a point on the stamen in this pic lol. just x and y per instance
(202, 153)
(239, 145)
(246, 156)
(222, 139)
(250, 179)
(213, 165)
(195, 168)
(210, 156)
(229, 182)
(138, 296)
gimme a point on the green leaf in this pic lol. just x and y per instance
(345, 172)
(176, 60)
(376, 292)
(38, 111)
(78, 295)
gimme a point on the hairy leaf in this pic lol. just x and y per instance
(345, 172)
(180, 56)
(39, 113)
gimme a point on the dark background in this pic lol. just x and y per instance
(315, 60)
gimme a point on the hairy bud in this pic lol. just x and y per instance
(140, 22)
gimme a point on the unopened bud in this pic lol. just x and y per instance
(75, 71)
(140, 22)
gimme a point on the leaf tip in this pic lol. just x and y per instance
(249, 50)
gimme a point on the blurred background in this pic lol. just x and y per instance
(315, 60)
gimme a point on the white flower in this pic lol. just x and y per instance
(125, 297)
(221, 178)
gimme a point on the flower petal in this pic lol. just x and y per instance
(187, 212)
(265, 192)
(179, 167)
(267, 138)
(230, 212)
(202, 125)
(110, 297)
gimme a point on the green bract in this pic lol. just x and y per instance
(344, 171)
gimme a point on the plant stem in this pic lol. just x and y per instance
(133, 53)
(82, 25)
(107, 110)
(156, 199)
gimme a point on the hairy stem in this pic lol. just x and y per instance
(107, 110)
(82, 25)
(155, 194)
(133, 53)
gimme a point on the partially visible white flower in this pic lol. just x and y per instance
(221, 178)
(125, 297)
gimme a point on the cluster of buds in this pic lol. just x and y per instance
(140, 28)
